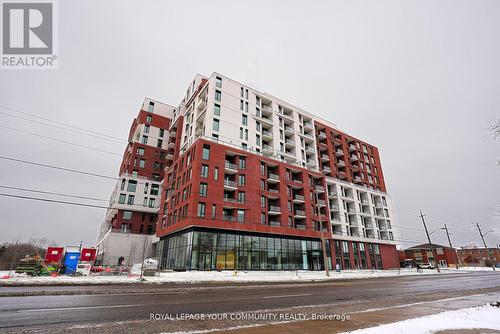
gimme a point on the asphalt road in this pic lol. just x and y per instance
(124, 303)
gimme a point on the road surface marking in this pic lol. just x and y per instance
(287, 296)
(79, 308)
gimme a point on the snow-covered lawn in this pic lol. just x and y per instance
(486, 317)
(216, 276)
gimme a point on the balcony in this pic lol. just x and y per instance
(354, 158)
(325, 157)
(273, 193)
(289, 129)
(311, 163)
(289, 142)
(357, 179)
(321, 135)
(274, 222)
(171, 144)
(267, 109)
(310, 150)
(332, 194)
(274, 210)
(199, 131)
(378, 205)
(308, 125)
(170, 155)
(300, 214)
(319, 188)
(321, 202)
(267, 134)
(334, 207)
(229, 218)
(202, 104)
(307, 136)
(327, 169)
(230, 185)
(298, 198)
(273, 178)
(265, 119)
(351, 211)
(230, 167)
(267, 148)
(352, 148)
(339, 152)
(341, 163)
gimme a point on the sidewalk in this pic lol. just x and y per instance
(193, 277)
(382, 315)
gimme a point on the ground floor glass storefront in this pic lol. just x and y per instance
(228, 250)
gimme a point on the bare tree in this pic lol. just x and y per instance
(496, 128)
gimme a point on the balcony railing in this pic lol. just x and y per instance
(230, 183)
(299, 197)
(230, 165)
(274, 208)
(273, 176)
(301, 213)
(266, 133)
(229, 218)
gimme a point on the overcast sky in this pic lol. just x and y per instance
(418, 79)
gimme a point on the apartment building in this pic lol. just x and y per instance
(132, 214)
(254, 182)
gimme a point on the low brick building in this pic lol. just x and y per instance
(445, 256)
(479, 256)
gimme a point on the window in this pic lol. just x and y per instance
(241, 180)
(159, 143)
(142, 163)
(127, 215)
(121, 199)
(134, 174)
(203, 189)
(146, 128)
(215, 124)
(241, 216)
(201, 209)
(162, 132)
(218, 82)
(140, 151)
(263, 218)
(246, 134)
(241, 105)
(144, 139)
(241, 91)
(149, 118)
(206, 152)
(218, 95)
(257, 126)
(257, 140)
(132, 185)
(241, 133)
(217, 109)
(204, 171)
(151, 202)
(244, 119)
(241, 197)
(151, 106)
(122, 186)
(131, 199)
(243, 163)
(216, 173)
(262, 201)
(155, 189)
(214, 210)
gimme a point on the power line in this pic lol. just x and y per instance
(61, 123)
(59, 168)
(63, 128)
(60, 141)
(53, 193)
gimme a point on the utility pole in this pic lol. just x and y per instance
(430, 243)
(484, 242)
(451, 246)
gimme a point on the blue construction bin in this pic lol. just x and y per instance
(71, 261)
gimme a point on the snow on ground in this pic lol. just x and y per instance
(486, 317)
(216, 276)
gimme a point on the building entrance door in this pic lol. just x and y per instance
(316, 262)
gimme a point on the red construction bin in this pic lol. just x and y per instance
(54, 254)
(88, 255)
